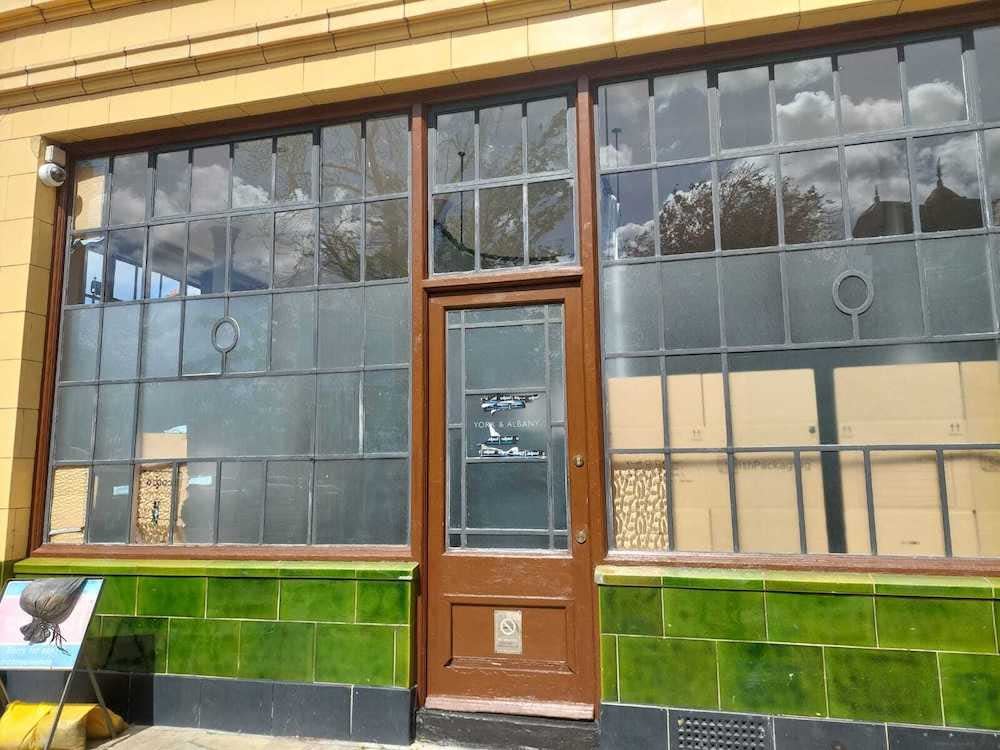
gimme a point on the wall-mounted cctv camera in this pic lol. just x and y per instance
(52, 175)
(53, 172)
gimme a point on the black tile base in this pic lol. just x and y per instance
(633, 726)
(920, 738)
(628, 727)
(828, 735)
(502, 731)
(284, 709)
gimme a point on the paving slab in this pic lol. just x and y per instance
(174, 738)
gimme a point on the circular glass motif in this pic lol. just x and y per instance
(853, 293)
(225, 334)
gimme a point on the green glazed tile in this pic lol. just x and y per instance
(117, 596)
(952, 587)
(837, 619)
(135, 644)
(713, 578)
(883, 685)
(277, 651)
(635, 611)
(609, 667)
(698, 613)
(171, 596)
(771, 678)
(354, 654)
(818, 583)
(403, 673)
(96, 647)
(384, 602)
(250, 598)
(943, 624)
(970, 684)
(317, 600)
(667, 672)
(204, 647)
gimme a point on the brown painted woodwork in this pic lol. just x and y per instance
(586, 76)
(555, 674)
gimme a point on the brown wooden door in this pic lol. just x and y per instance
(510, 610)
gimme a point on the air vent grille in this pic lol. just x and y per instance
(702, 731)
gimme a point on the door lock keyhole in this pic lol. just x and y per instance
(578, 460)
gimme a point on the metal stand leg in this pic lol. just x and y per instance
(100, 698)
(59, 708)
(3, 694)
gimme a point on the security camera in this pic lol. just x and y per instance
(52, 175)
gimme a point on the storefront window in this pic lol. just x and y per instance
(799, 304)
(235, 348)
(502, 185)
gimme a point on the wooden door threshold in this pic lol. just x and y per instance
(545, 709)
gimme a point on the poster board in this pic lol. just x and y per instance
(43, 622)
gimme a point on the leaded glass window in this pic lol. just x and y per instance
(799, 302)
(503, 191)
(234, 356)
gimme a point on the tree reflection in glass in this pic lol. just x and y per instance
(747, 202)
(811, 196)
(686, 216)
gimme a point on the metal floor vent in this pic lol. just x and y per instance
(701, 731)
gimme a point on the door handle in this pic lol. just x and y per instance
(581, 536)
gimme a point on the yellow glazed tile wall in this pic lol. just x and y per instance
(126, 66)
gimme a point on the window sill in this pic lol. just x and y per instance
(761, 563)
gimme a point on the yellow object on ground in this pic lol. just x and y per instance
(26, 726)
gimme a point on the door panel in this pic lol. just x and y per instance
(510, 597)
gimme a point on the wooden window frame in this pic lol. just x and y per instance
(586, 77)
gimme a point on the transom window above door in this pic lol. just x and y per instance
(503, 187)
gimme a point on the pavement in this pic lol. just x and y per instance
(171, 738)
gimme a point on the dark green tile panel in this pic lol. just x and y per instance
(883, 685)
(631, 610)
(836, 619)
(134, 644)
(943, 624)
(384, 602)
(117, 596)
(698, 613)
(277, 651)
(204, 647)
(170, 596)
(970, 684)
(771, 678)
(404, 675)
(318, 601)
(609, 668)
(354, 654)
(250, 598)
(667, 672)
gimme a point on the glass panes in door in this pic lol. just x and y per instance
(506, 417)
